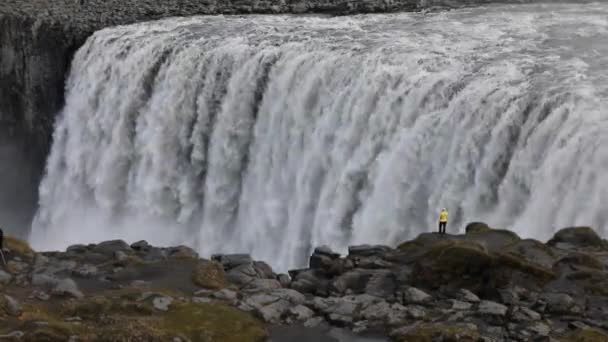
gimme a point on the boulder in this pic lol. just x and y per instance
(436, 331)
(577, 237)
(181, 252)
(225, 294)
(242, 274)
(141, 246)
(67, 287)
(230, 261)
(301, 313)
(310, 281)
(494, 240)
(326, 251)
(86, 271)
(273, 312)
(487, 307)
(380, 283)
(412, 295)
(367, 250)
(263, 284)
(109, 248)
(5, 278)
(560, 303)
(162, 303)
(459, 305)
(476, 227)
(209, 275)
(263, 270)
(10, 305)
(524, 314)
(77, 249)
(532, 251)
(467, 296)
(284, 280)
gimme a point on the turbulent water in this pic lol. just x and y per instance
(274, 134)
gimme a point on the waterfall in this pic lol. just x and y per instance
(273, 134)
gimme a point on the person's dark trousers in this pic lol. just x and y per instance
(442, 227)
(1, 240)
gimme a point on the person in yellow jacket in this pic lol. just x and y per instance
(443, 220)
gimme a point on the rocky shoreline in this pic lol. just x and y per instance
(485, 285)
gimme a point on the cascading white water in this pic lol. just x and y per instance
(273, 134)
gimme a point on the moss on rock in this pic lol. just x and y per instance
(476, 227)
(430, 332)
(586, 335)
(210, 275)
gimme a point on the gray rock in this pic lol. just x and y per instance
(264, 284)
(263, 270)
(242, 274)
(327, 251)
(320, 261)
(539, 329)
(459, 305)
(5, 278)
(487, 307)
(109, 248)
(290, 295)
(201, 300)
(67, 287)
(141, 246)
(381, 284)
(40, 295)
(378, 311)
(86, 271)
(140, 283)
(367, 250)
(522, 313)
(301, 313)
(40, 260)
(412, 295)
(577, 236)
(76, 249)
(181, 252)
(560, 303)
(467, 296)
(12, 306)
(121, 256)
(314, 322)
(230, 261)
(415, 312)
(273, 312)
(284, 280)
(17, 334)
(225, 294)
(162, 303)
(44, 279)
(309, 282)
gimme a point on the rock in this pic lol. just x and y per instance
(230, 261)
(320, 261)
(162, 303)
(181, 252)
(43, 279)
(40, 260)
(439, 331)
(141, 246)
(326, 251)
(40, 295)
(67, 287)
(367, 250)
(17, 266)
(381, 284)
(290, 295)
(263, 270)
(314, 322)
(273, 312)
(263, 284)
(560, 303)
(487, 307)
(539, 329)
(225, 294)
(467, 296)
(109, 248)
(578, 237)
(301, 313)
(476, 227)
(209, 275)
(242, 274)
(17, 334)
(284, 280)
(86, 271)
(378, 311)
(201, 300)
(415, 312)
(459, 305)
(5, 278)
(309, 281)
(412, 295)
(523, 314)
(77, 249)
(11, 306)
(121, 256)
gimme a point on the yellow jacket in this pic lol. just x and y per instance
(443, 216)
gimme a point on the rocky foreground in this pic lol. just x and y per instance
(485, 285)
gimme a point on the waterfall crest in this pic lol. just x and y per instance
(273, 134)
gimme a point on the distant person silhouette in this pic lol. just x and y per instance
(443, 221)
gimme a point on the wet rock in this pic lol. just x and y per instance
(576, 237)
(367, 250)
(67, 287)
(162, 303)
(487, 307)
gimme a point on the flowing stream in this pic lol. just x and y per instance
(274, 134)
